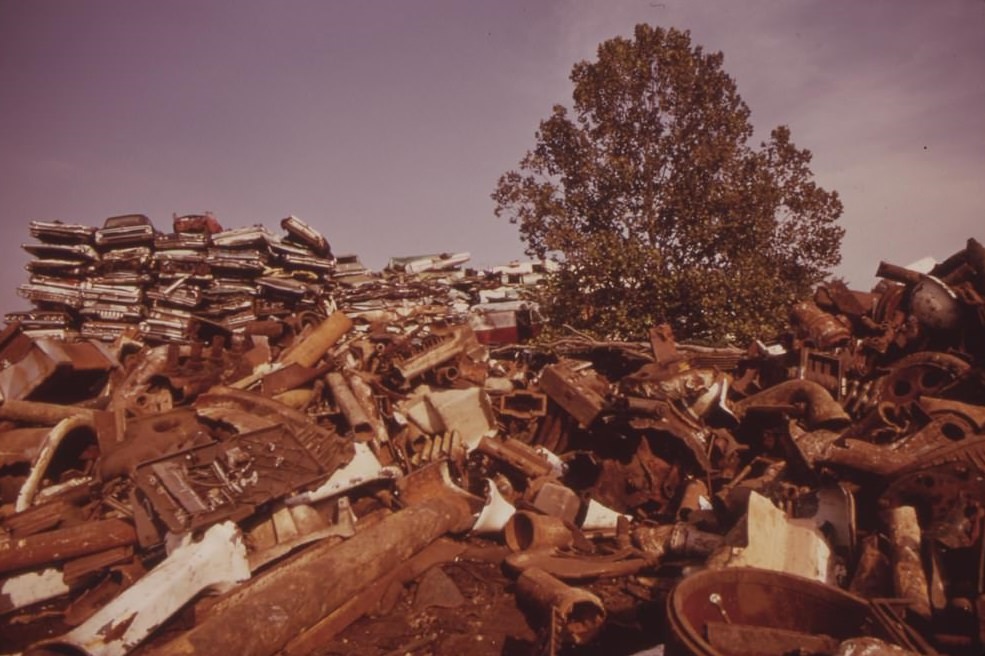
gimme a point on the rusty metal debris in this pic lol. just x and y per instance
(237, 441)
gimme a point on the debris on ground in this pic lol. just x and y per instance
(235, 441)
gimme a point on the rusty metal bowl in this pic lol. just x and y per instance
(754, 611)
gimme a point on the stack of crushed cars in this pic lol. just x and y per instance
(126, 274)
(200, 281)
(259, 490)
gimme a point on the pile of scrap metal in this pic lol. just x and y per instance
(260, 491)
(200, 281)
(194, 282)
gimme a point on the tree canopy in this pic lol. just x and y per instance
(657, 208)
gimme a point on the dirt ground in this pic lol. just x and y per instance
(488, 621)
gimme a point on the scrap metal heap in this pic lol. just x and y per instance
(201, 281)
(256, 477)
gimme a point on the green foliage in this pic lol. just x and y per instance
(657, 208)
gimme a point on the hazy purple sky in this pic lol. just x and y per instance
(385, 124)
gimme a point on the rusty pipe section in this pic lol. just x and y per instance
(447, 375)
(899, 274)
(515, 453)
(66, 543)
(44, 414)
(279, 606)
(447, 347)
(530, 531)
(353, 412)
(363, 394)
(909, 577)
(580, 612)
(820, 408)
(322, 338)
(826, 331)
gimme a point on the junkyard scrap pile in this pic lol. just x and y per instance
(228, 441)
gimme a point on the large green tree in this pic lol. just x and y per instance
(656, 206)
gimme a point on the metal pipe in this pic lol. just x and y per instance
(448, 347)
(909, 578)
(516, 454)
(289, 599)
(526, 530)
(354, 414)
(45, 414)
(446, 375)
(581, 613)
(694, 491)
(310, 349)
(364, 396)
(688, 541)
(63, 544)
(822, 327)
(898, 274)
(821, 411)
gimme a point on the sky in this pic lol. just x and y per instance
(385, 124)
